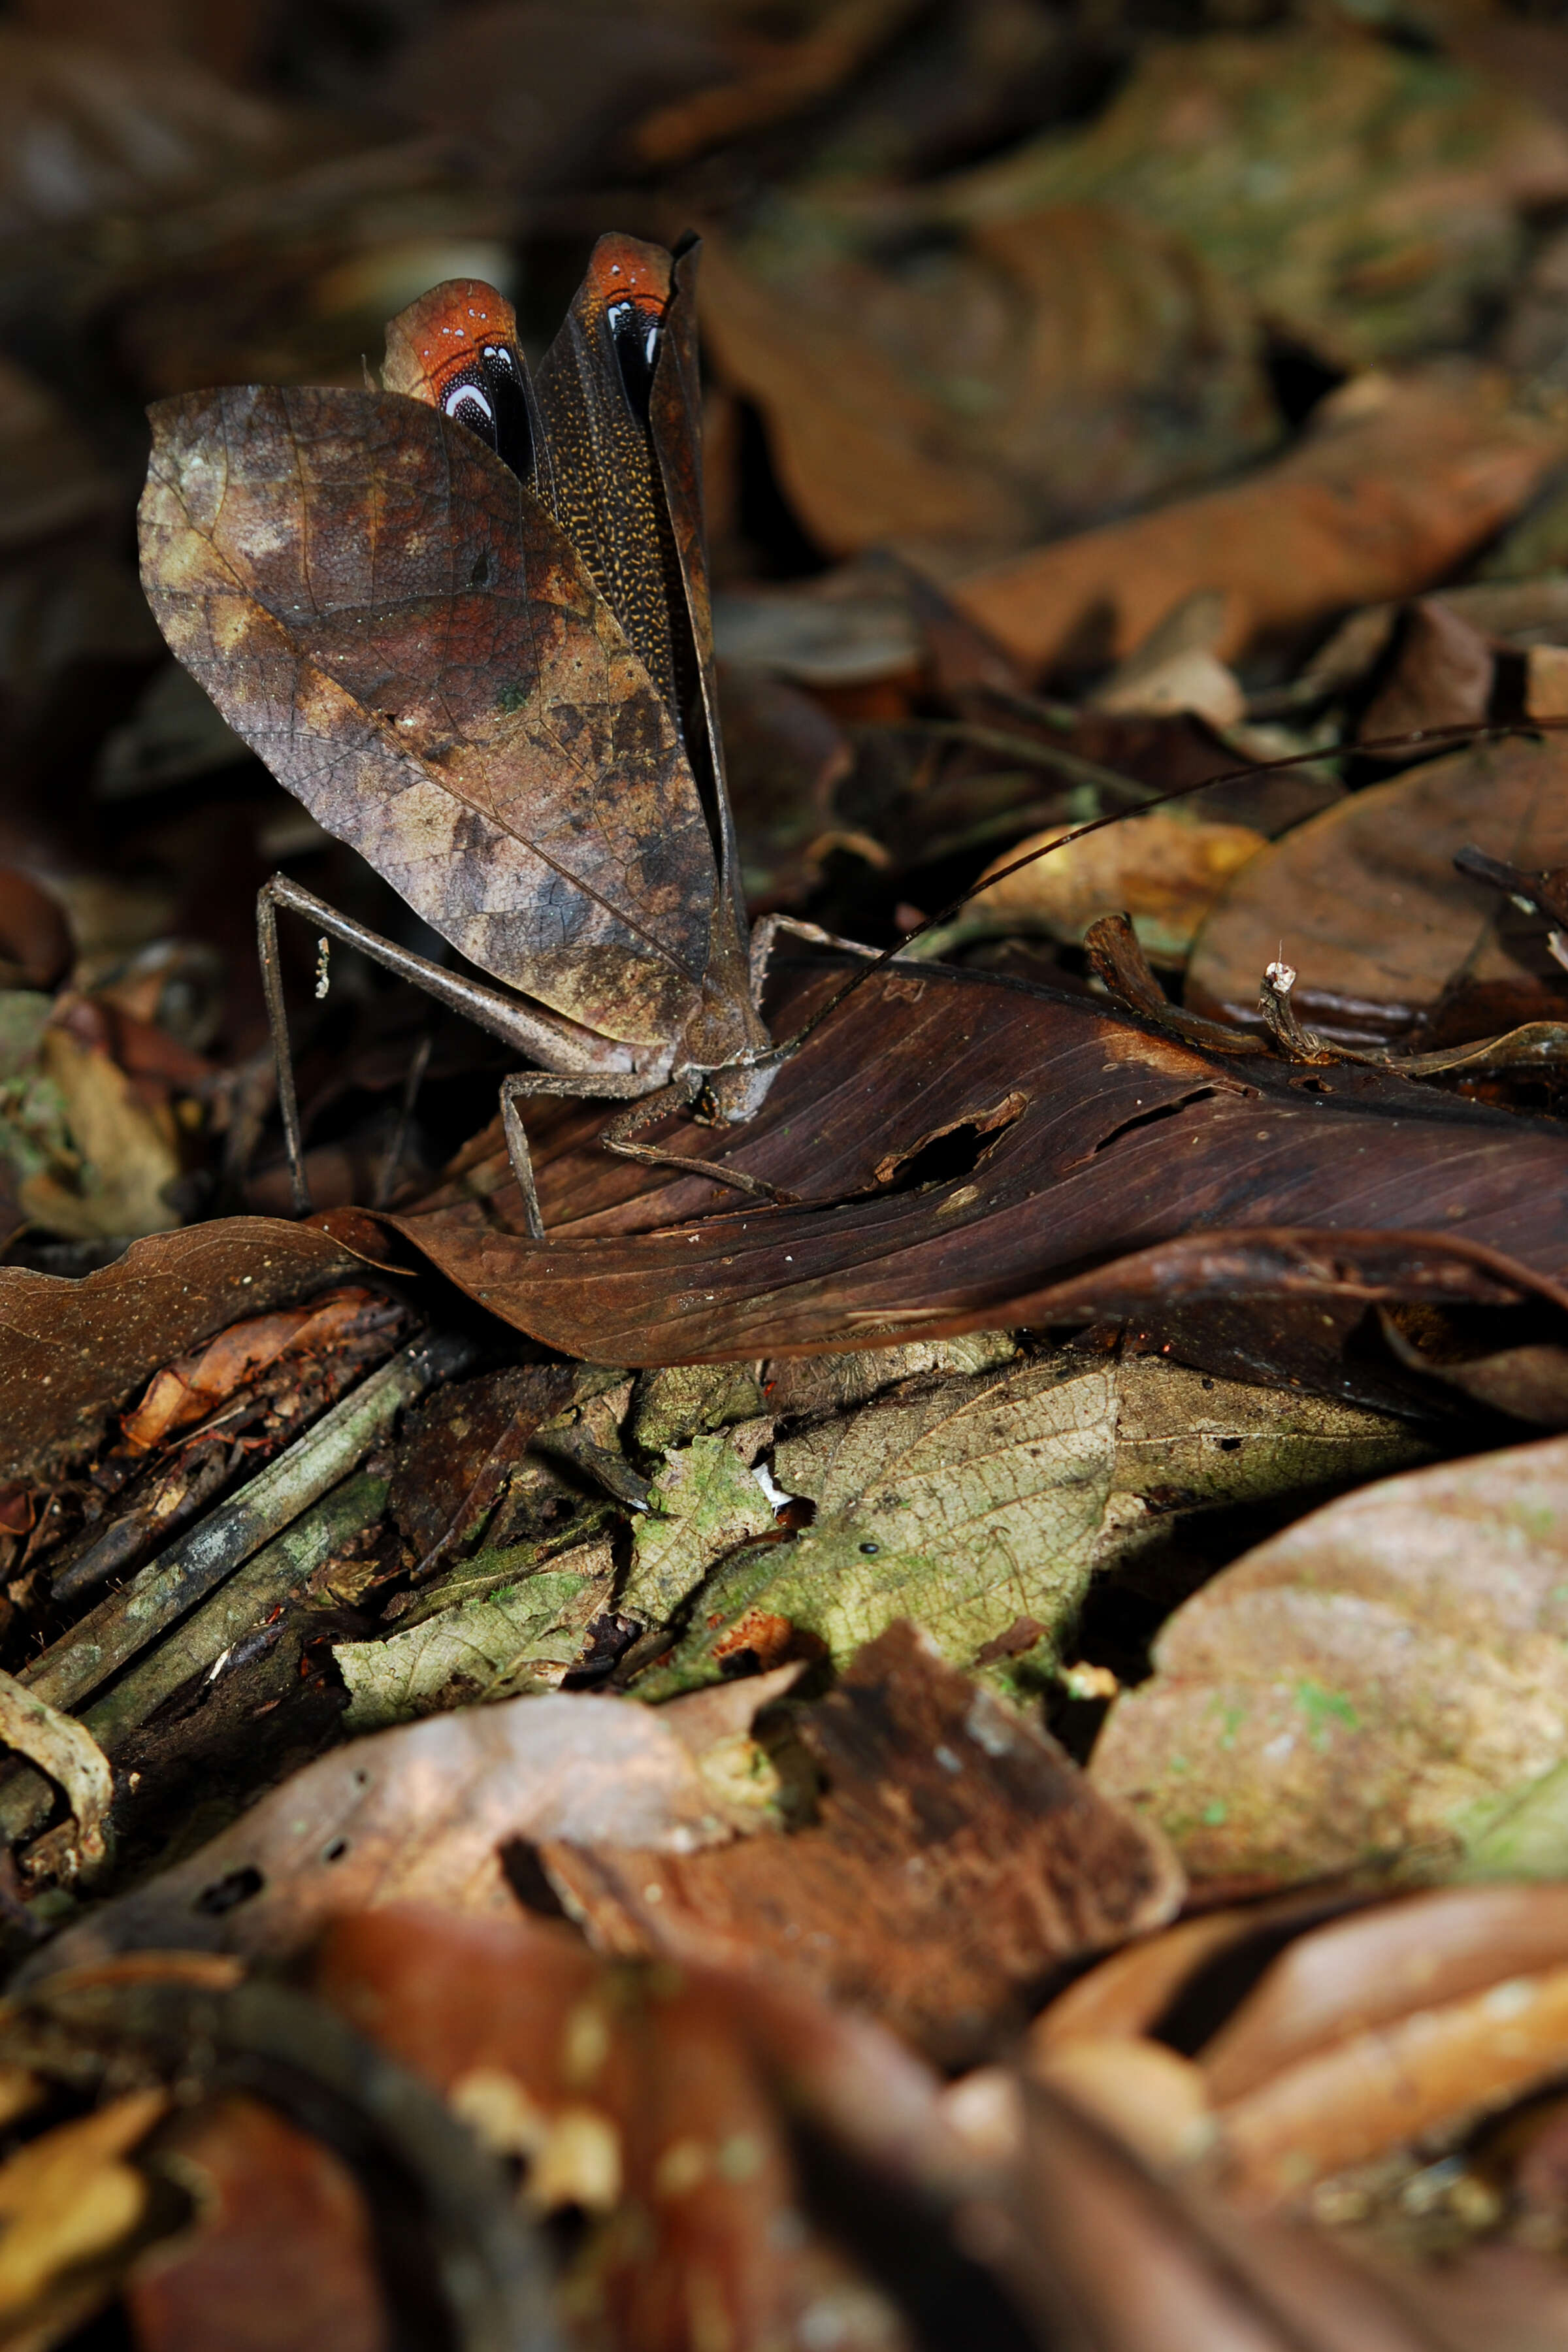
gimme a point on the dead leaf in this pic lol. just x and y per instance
(1365, 201)
(1374, 1681)
(976, 396)
(1442, 676)
(1396, 481)
(282, 2236)
(1165, 869)
(68, 2198)
(1373, 916)
(416, 1815)
(519, 1636)
(1048, 1105)
(91, 1157)
(73, 1349)
(68, 1753)
(188, 1388)
(957, 1856)
(654, 2097)
(705, 1502)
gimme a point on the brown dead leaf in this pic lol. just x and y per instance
(1398, 480)
(1052, 1102)
(1373, 916)
(1369, 1682)
(650, 2096)
(1095, 2242)
(73, 1349)
(188, 1388)
(417, 1815)
(1441, 676)
(957, 1858)
(281, 2245)
(982, 394)
(1164, 868)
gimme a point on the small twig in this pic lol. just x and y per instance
(70, 1754)
(1298, 1044)
(171, 1585)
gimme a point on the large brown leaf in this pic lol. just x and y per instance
(73, 1350)
(1058, 1140)
(1371, 909)
(1393, 486)
(417, 650)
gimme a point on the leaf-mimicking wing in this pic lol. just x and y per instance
(418, 651)
(595, 384)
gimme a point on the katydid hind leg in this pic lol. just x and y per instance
(530, 1030)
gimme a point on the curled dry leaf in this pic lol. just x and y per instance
(64, 1748)
(1375, 919)
(416, 1815)
(1089, 1136)
(74, 1349)
(1379, 1677)
(1394, 484)
(958, 1855)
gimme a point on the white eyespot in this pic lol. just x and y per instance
(460, 398)
(651, 344)
(615, 313)
(498, 356)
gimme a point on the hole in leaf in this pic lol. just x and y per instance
(227, 1893)
(950, 1153)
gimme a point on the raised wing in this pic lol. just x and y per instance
(419, 652)
(620, 409)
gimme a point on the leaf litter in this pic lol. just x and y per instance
(1029, 1668)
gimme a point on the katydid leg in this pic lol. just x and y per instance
(541, 1035)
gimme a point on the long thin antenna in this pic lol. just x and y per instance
(1419, 738)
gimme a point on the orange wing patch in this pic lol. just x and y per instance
(456, 350)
